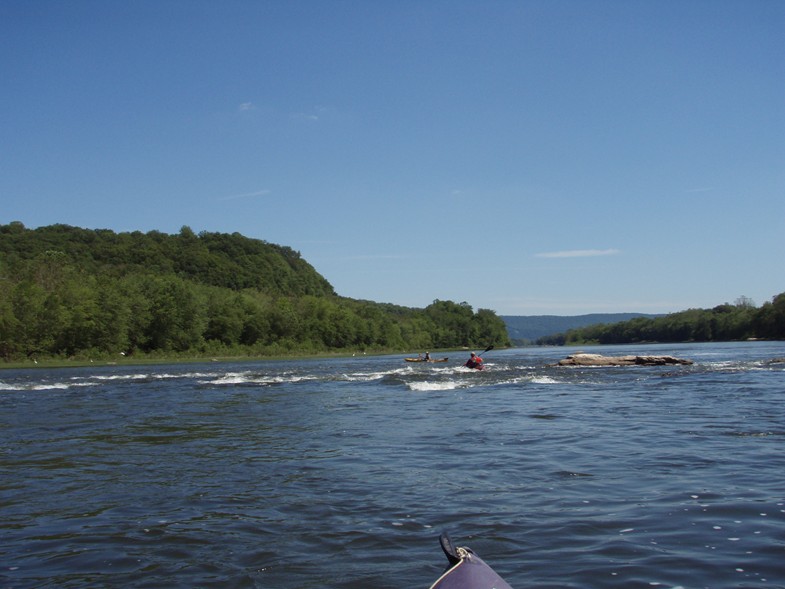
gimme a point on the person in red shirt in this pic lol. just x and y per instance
(474, 362)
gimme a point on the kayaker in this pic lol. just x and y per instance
(474, 362)
(427, 356)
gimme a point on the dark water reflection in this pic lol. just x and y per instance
(342, 473)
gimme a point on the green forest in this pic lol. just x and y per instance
(728, 322)
(73, 293)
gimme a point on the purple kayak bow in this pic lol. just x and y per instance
(466, 570)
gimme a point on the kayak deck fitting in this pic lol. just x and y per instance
(466, 570)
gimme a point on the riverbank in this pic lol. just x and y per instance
(143, 360)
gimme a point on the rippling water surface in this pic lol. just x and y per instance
(341, 473)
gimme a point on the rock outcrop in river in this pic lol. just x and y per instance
(600, 360)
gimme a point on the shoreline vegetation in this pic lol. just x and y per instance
(741, 321)
(74, 295)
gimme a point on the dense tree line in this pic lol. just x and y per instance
(217, 259)
(71, 292)
(739, 321)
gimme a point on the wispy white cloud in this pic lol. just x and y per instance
(245, 195)
(314, 114)
(246, 106)
(305, 116)
(578, 253)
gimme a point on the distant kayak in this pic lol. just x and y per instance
(424, 360)
(466, 570)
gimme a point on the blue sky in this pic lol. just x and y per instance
(530, 157)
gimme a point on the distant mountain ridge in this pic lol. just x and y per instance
(522, 328)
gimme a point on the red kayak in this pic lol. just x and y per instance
(466, 570)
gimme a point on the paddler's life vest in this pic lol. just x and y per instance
(474, 362)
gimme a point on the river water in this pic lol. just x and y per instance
(341, 473)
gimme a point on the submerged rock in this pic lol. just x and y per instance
(600, 360)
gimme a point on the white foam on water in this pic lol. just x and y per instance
(53, 386)
(369, 376)
(61, 386)
(189, 375)
(98, 380)
(231, 378)
(250, 378)
(544, 380)
(151, 376)
(528, 379)
(289, 378)
(433, 386)
(113, 377)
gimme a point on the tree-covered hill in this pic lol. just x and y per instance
(71, 292)
(215, 259)
(726, 322)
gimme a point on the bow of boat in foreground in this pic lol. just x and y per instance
(466, 570)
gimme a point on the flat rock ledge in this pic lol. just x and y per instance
(600, 360)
